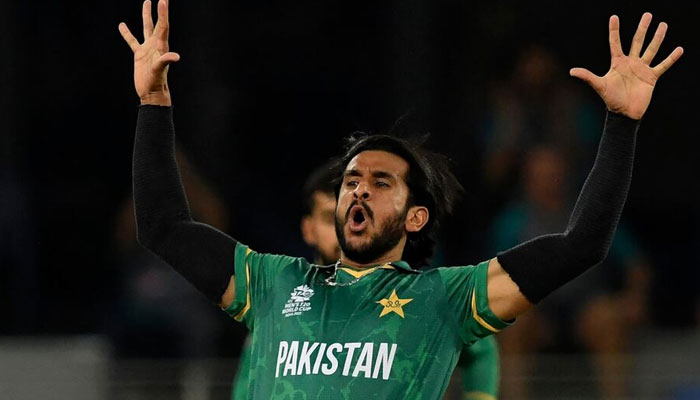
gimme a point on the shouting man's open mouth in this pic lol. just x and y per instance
(358, 218)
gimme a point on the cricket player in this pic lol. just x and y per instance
(478, 364)
(372, 325)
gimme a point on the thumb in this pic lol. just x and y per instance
(165, 60)
(595, 81)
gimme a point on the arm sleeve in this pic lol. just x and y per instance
(479, 365)
(199, 252)
(466, 290)
(546, 263)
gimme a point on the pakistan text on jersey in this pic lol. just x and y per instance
(310, 358)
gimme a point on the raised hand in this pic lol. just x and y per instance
(628, 85)
(152, 57)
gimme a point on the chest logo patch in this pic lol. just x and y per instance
(393, 304)
(299, 301)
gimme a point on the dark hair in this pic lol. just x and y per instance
(322, 180)
(430, 183)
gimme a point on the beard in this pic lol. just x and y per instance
(387, 237)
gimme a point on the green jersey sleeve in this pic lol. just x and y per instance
(466, 290)
(256, 274)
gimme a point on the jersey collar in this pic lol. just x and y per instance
(396, 264)
(359, 273)
(404, 266)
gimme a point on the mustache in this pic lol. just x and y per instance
(362, 204)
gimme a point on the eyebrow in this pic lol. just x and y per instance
(375, 174)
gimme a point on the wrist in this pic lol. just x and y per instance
(621, 113)
(157, 99)
(619, 119)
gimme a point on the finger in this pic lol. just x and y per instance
(595, 81)
(162, 26)
(638, 40)
(669, 61)
(614, 37)
(128, 37)
(655, 43)
(147, 19)
(165, 60)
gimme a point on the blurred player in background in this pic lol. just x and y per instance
(597, 312)
(535, 105)
(318, 231)
(144, 324)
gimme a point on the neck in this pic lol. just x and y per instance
(320, 260)
(390, 256)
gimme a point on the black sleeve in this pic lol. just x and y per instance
(199, 252)
(546, 263)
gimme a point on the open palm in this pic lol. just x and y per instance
(628, 85)
(152, 57)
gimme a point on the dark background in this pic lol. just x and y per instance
(265, 91)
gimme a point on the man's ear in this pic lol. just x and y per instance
(306, 232)
(416, 218)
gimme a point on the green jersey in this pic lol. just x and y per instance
(478, 366)
(239, 388)
(480, 370)
(383, 332)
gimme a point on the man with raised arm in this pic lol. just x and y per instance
(478, 364)
(372, 325)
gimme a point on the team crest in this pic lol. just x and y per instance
(299, 301)
(393, 304)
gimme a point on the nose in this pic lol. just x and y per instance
(362, 192)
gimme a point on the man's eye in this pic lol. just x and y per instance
(351, 183)
(382, 184)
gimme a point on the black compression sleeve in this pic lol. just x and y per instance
(199, 252)
(546, 263)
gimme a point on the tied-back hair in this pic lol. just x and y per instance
(430, 181)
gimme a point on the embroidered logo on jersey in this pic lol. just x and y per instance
(393, 304)
(298, 301)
